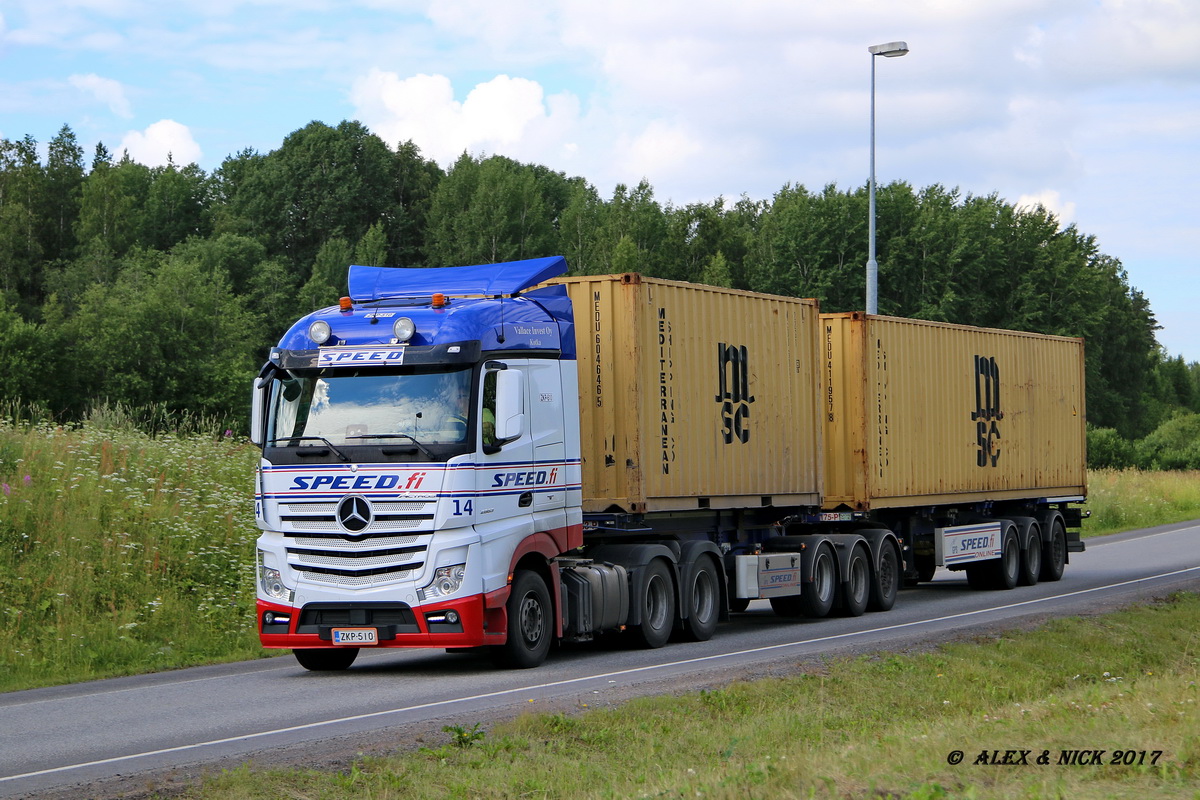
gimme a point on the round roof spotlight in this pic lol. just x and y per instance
(404, 328)
(319, 331)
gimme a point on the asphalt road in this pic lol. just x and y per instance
(66, 740)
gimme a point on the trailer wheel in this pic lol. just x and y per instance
(856, 591)
(886, 580)
(787, 606)
(658, 606)
(1031, 558)
(1054, 559)
(979, 576)
(701, 623)
(1007, 569)
(327, 659)
(817, 603)
(530, 623)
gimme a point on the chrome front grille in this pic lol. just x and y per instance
(322, 551)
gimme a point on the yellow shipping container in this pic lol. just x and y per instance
(695, 397)
(925, 413)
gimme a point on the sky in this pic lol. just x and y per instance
(1088, 107)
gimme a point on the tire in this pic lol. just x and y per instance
(530, 623)
(705, 593)
(979, 576)
(1054, 558)
(1007, 569)
(925, 568)
(856, 591)
(657, 606)
(326, 659)
(1031, 559)
(787, 606)
(816, 598)
(885, 581)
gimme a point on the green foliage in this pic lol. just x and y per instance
(464, 737)
(855, 727)
(123, 553)
(84, 258)
(1173, 445)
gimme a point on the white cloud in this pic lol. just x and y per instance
(1052, 201)
(106, 90)
(162, 140)
(506, 115)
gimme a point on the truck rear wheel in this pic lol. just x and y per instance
(856, 591)
(705, 593)
(530, 623)
(817, 598)
(328, 659)
(657, 606)
(1054, 559)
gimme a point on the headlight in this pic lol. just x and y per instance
(320, 331)
(446, 581)
(271, 582)
(404, 328)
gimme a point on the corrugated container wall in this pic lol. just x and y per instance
(925, 413)
(695, 397)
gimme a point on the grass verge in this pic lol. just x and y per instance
(122, 553)
(1121, 500)
(872, 727)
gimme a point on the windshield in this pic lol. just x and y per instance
(335, 408)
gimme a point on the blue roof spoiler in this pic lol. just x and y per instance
(382, 283)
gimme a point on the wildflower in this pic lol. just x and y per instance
(28, 479)
(7, 489)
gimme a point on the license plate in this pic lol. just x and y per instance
(355, 636)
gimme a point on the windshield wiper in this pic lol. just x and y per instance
(328, 443)
(428, 453)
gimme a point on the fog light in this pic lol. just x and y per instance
(452, 617)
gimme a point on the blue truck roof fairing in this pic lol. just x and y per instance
(369, 284)
(538, 320)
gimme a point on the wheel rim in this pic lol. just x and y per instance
(704, 596)
(1011, 556)
(656, 603)
(1035, 556)
(859, 579)
(1059, 546)
(533, 619)
(887, 571)
(823, 577)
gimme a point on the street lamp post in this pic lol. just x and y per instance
(889, 50)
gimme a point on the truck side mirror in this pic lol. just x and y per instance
(510, 405)
(258, 410)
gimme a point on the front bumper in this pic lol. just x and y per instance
(397, 624)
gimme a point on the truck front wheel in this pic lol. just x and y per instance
(530, 623)
(326, 659)
(657, 606)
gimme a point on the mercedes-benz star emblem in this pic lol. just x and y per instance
(354, 514)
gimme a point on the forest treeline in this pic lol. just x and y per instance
(162, 287)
